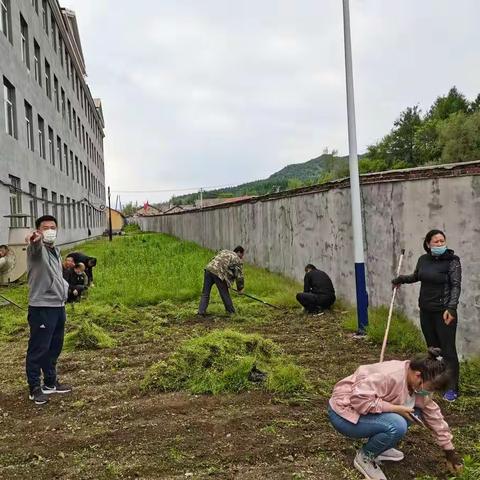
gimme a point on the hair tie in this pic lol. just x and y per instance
(439, 358)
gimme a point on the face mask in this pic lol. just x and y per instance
(437, 251)
(422, 393)
(49, 236)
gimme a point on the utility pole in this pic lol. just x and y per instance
(109, 217)
(361, 289)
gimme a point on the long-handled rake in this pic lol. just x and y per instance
(257, 299)
(390, 312)
(12, 302)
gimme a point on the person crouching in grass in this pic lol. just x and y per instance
(380, 401)
(77, 282)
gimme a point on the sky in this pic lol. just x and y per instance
(203, 93)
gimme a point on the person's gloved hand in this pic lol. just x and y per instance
(454, 462)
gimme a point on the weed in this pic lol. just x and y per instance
(221, 362)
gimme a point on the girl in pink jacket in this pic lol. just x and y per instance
(381, 400)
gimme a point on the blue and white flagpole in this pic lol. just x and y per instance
(361, 289)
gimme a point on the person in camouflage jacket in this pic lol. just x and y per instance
(223, 270)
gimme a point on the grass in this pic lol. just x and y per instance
(88, 336)
(138, 271)
(221, 361)
(404, 336)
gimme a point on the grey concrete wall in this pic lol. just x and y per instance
(15, 157)
(285, 232)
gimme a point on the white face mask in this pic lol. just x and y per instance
(49, 236)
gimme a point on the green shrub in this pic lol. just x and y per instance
(470, 377)
(88, 336)
(221, 362)
(403, 335)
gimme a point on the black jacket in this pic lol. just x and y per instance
(79, 257)
(318, 282)
(440, 278)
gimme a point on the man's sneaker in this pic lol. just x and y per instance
(390, 455)
(319, 313)
(368, 467)
(359, 335)
(57, 388)
(38, 396)
(450, 395)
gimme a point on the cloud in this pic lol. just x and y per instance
(214, 92)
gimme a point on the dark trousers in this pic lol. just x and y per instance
(438, 334)
(313, 302)
(74, 298)
(208, 281)
(47, 328)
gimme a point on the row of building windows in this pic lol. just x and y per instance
(57, 94)
(68, 212)
(47, 143)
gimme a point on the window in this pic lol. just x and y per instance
(84, 222)
(53, 26)
(65, 157)
(74, 213)
(36, 62)
(69, 109)
(71, 165)
(81, 173)
(51, 147)
(63, 103)
(59, 153)
(78, 89)
(56, 96)
(76, 168)
(74, 123)
(15, 201)
(62, 210)
(35, 5)
(60, 48)
(32, 190)
(69, 213)
(54, 205)
(45, 16)
(5, 21)
(72, 74)
(41, 136)
(83, 136)
(67, 62)
(79, 215)
(29, 126)
(24, 40)
(10, 108)
(48, 83)
(44, 201)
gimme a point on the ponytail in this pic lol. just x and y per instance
(432, 367)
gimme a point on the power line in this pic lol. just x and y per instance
(194, 189)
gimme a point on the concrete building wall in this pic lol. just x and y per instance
(284, 232)
(17, 159)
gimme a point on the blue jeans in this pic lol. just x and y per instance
(383, 430)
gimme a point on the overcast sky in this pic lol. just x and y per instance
(218, 92)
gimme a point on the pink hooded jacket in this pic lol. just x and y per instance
(376, 388)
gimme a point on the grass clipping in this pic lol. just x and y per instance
(221, 362)
(88, 336)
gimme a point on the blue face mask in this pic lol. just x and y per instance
(437, 251)
(423, 393)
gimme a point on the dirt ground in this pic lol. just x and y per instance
(107, 428)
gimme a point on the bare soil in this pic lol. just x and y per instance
(108, 429)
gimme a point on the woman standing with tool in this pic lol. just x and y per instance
(440, 274)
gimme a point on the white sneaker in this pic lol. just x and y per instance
(368, 467)
(390, 455)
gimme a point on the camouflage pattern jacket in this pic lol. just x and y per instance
(228, 267)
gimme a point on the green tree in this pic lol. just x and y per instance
(459, 138)
(449, 104)
(426, 142)
(475, 105)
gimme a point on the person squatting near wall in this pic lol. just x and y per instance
(440, 274)
(224, 269)
(380, 401)
(318, 292)
(46, 311)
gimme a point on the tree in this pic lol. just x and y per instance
(447, 105)
(459, 138)
(426, 142)
(475, 105)
(129, 209)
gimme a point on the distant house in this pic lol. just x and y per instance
(118, 220)
(148, 210)
(174, 209)
(210, 202)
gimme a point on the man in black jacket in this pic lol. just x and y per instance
(318, 292)
(89, 262)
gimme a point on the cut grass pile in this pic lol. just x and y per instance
(221, 362)
(88, 336)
